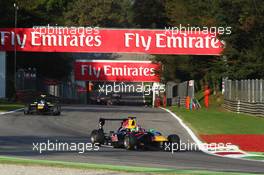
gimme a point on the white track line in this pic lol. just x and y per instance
(8, 112)
(198, 141)
(193, 136)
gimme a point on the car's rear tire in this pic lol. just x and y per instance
(174, 141)
(130, 142)
(56, 110)
(116, 145)
(97, 136)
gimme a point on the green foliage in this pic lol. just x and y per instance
(39, 12)
(149, 14)
(245, 56)
(175, 68)
(9, 107)
(100, 13)
(7, 13)
(244, 53)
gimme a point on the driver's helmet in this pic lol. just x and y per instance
(42, 99)
(42, 96)
(130, 123)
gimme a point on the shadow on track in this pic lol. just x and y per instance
(24, 146)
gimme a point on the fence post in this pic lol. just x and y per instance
(237, 90)
(261, 90)
(224, 87)
(241, 94)
(238, 106)
(257, 90)
(249, 94)
(253, 90)
(230, 89)
(244, 92)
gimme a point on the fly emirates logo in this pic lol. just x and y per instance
(108, 70)
(162, 40)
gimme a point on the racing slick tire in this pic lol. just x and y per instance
(130, 142)
(97, 136)
(174, 142)
(116, 145)
(56, 110)
(27, 109)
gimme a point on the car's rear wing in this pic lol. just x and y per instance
(102, 120)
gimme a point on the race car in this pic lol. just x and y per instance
(42, 106)
(133, 137)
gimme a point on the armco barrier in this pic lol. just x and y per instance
(245, 107)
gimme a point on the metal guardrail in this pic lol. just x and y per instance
(253, 108)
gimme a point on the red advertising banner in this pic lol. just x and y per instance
(118, 71)
(109, 41)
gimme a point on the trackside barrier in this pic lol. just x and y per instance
(250, 91)
(29, 96)
(244, 96)
(253, 108)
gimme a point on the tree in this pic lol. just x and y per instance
(244, 46)
(99, 13)
(7, 11)
(149, 14)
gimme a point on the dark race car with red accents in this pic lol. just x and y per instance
(132, 136)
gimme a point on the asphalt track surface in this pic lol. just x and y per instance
(18, 132)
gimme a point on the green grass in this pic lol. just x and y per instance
(215, 100)
(258, 153)
(10, 107)
(255, 157)
(30, 162)
(215, 120)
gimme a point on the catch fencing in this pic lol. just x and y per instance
(246, 96)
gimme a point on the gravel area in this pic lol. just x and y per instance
(45, 170)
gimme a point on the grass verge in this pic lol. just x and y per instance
(255, 158)
(217, 121)
(10, 107)
(61, 164)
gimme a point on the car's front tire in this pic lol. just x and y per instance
(174, 142)
(26, 110)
